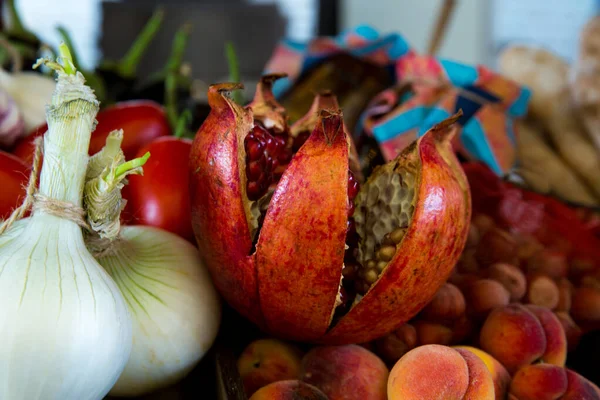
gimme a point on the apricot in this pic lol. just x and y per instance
(496, 245)
(345, 372)
(473, 237)
(436, 372)
(484, 295)
(542, 291)
(396, 344)
(268, 360)
(548, 262)
(432, 333)
(448, 304)
(585, 305)
(517, 335)
(511, 277)
(500, 375)
(288, 390)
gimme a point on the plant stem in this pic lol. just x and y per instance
(172, 72)
(70, 115)
(128, 65)
(182, 124)
(66, 38)
(234, 70)
(132, 164)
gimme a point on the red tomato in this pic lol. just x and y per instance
(141, 120)
(14, 175)
(160, 197)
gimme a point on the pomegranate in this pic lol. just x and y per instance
(297, 244)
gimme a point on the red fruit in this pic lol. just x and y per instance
(14, 176)
(142, 121)
(278, 261)
(160, 197)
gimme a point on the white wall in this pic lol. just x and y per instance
(465, 39)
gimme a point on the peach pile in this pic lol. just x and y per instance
(548, 382)
(439, 372)
(498, 268)
(288, 390)
(266, 361)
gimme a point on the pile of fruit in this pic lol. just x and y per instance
(420, 278)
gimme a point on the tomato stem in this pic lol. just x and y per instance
(234, 70)
(127, 67)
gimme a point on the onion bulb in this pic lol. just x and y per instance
(65, 330)
(175, 308)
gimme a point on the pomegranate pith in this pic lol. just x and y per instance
(311, 253)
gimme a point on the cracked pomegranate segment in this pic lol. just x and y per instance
(298, 243)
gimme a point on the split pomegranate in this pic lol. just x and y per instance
(293, 239)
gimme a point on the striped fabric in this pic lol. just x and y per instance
(428, 90)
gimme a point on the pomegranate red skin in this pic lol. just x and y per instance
(289, 285)
(217, 184)
(160, 197)
(141, 120)
(14, 175)
(411, 280)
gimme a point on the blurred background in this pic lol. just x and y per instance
(478, 30)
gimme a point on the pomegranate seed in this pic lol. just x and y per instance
(353, 186)
(256, 169)
(254, 147)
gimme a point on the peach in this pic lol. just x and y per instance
(580, 388)
(472, 237)
(514, 336)
(556, 340)
(539, 382)
(289, 390)
(527, 247)
(542, 291)
(572, 330)
(396, 344)
(484, 295)
(268, 360)
(463, 279)
(500, 375)
(548, 262)
(585, 305)
(511, 277)
(448, 304)
(496, 245)
(518, 335)
(483, 223)
(467, 263)
(345, 372)
(565, 292)
(481, 383)
(436, 372)
(432, 333)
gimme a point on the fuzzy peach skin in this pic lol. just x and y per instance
(518, 335)
(550, 382)
(268, 360)
(436, 372)
(500, 375)
(448, 304)
(289, 390)
(345, 372)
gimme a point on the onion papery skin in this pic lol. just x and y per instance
(175, 308)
